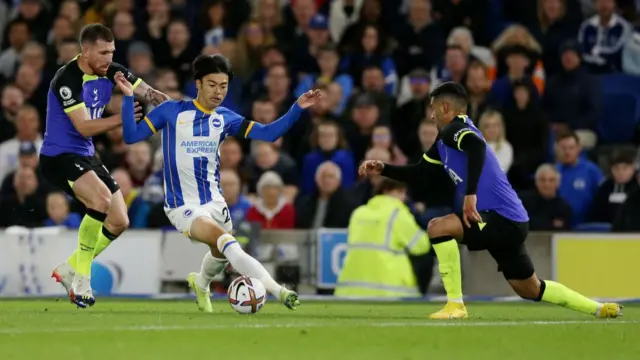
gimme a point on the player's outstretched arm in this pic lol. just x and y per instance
(133, 132)
(271, 132)
(420, 171)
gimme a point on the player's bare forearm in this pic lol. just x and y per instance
(150, 95)
(87, 127)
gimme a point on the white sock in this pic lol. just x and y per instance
(211, 267)
(247, 265)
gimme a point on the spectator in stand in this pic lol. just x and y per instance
(626, 220)
(614, 191)
(373, 83)
(213, 23)
(25, 207)
(527, 130)
(157, 18)
(491, 125)
(364, 117)
(231, 158)
(477, 84)
(370, 14)
(427, 133)
(66, 50)
(456, 62)
(330, 206)
(518, 36)
(365, 188)
(602, 38)
(269, 14)
(372, 52)
(631, 54)
(140, 60)
(462, 37)
(18, 36)
(573, 99)
(35, 14)
(272, 209)
(328, 60)
(547, 211)
(27, 129)
(35, 54)
(268, 158)
(255, 85)
(421, 42)
(114, 153)
(237, 203)
(11, 100)
(177, 52)
(62, 29)
(328, 144)
(70, 9)
(124, 30)
(153, 190)
(138, 163)
(342, 14)
(555, 29)
(308, 49)
(297, 23)
(580, 177)
(407, 119)
(277, 83)
(137, 209)
(30, 82)
(251, 40)
(501, 94)
(382, 138)
(27, 157)
(58, 212)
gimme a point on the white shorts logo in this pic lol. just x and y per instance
(188, 213)
(65, 93)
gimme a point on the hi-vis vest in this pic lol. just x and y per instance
(381, 233)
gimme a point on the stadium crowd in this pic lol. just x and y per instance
(534, 71)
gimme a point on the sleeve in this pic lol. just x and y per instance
(266, 132)
(156, 119)
(234, 122)
(420, 169)
(115, 67)
(408, 235)
(68, 90)
(459, 136)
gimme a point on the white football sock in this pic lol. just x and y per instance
(247, 265)
(211, 267)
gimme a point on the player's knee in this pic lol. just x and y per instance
(118, 225)
(100, 200)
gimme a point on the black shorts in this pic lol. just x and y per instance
(64, 169)
(504, 240)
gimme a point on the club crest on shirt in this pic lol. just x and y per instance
(216, 122)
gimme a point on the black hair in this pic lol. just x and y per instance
(204, 65)
(387, 185)
(94, 32)
(568, 134)
(453, 90)
(624, 156)
(68, 40)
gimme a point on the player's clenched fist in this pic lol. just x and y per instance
(371, 167)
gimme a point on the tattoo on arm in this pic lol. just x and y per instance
(154, 97)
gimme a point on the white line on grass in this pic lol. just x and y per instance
(457, 323)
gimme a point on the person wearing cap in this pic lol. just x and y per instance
(27, 157)
(307, 49)
(573, 98)
(614, 191)
(365, 115)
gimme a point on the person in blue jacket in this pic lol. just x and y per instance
(329, 144)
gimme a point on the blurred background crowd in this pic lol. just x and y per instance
(552, 85)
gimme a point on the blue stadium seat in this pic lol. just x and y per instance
(594, 227)
(621, 108)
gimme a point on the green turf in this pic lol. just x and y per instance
(140, 330)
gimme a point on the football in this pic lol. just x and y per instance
(246, 295)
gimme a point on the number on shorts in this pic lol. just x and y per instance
(225, 213)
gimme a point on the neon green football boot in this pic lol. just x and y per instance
(203, 296)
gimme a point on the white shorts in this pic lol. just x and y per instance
(182, 217)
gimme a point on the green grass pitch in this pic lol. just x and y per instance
(140, 330)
